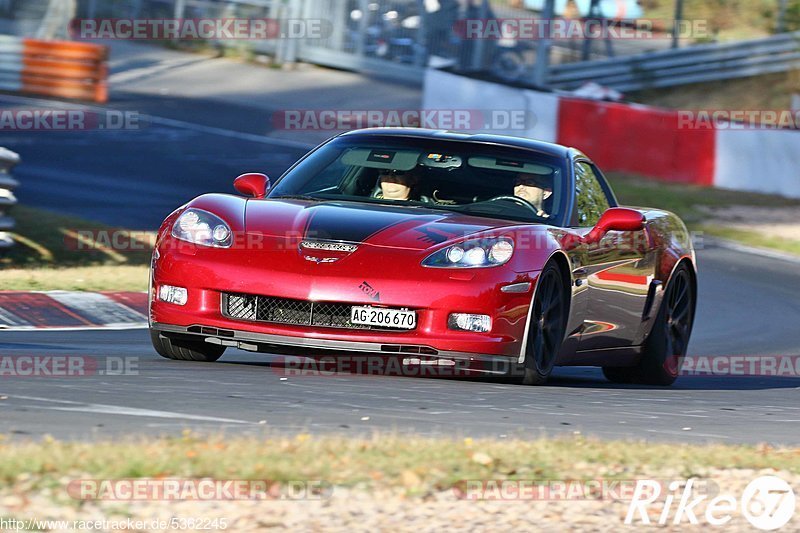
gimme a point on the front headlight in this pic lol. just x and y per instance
(201, 227)
(476, 253)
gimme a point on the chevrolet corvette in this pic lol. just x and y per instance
(492, 251)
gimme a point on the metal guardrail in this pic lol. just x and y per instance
(11, 49)
(8, 160)
(398, 38)
(695, 64)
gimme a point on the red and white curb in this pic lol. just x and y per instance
(60, 310)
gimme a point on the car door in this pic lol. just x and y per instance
(618, 270)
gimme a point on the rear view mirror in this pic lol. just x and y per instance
(252, 184)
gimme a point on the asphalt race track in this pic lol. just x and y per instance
(748, 305)
(146, 171)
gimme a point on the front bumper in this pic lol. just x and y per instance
(282, 344)
(394, 279)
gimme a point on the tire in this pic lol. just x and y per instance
(185, 350)
(549, 311)
(667, 343)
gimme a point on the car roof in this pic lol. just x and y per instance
(552, 149)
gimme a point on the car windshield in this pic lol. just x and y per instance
(479, 179)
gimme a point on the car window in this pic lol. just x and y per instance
(474, 179)
(590, 198)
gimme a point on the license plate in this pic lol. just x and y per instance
(386, 318)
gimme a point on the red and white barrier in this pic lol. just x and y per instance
(638, 139)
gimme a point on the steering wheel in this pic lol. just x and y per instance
(520, 201)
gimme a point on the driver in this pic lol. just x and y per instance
(397, 185)
(536, 189)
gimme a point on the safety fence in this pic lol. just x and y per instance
(8, 160)
(665, 144)
(59, 69)
(695, 64)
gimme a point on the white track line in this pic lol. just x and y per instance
(163, 121)
(121, 410)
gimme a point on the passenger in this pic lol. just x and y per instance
(397, 185)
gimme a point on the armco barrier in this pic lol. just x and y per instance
(8, 160)
(60, 69)
(637, 139)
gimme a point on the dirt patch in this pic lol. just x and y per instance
(357, 509)
(782, 222)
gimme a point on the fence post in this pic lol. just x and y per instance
(676, 24)
(8, 160)
(179, 13)
(478, 47)
(780, 26)
(542, 65)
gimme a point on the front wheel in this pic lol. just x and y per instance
(185, 350)
(547, 326)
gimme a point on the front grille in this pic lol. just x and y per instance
(295, 312)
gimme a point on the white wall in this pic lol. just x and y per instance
(448, 91)
(765, 161)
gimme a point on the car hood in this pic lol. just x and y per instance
(377, 225)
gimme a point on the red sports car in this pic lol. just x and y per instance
(489, 251)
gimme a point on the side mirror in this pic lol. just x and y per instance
(615, 219)
(252, 184)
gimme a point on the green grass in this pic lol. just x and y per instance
(751, 238)
(83, 278)
(418, 464)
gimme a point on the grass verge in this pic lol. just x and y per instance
(689, 201)
(416, 464)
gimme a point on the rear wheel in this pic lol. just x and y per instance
(666, 346)
(184, 350)
(546, 330)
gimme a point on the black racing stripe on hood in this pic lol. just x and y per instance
(352, 224)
